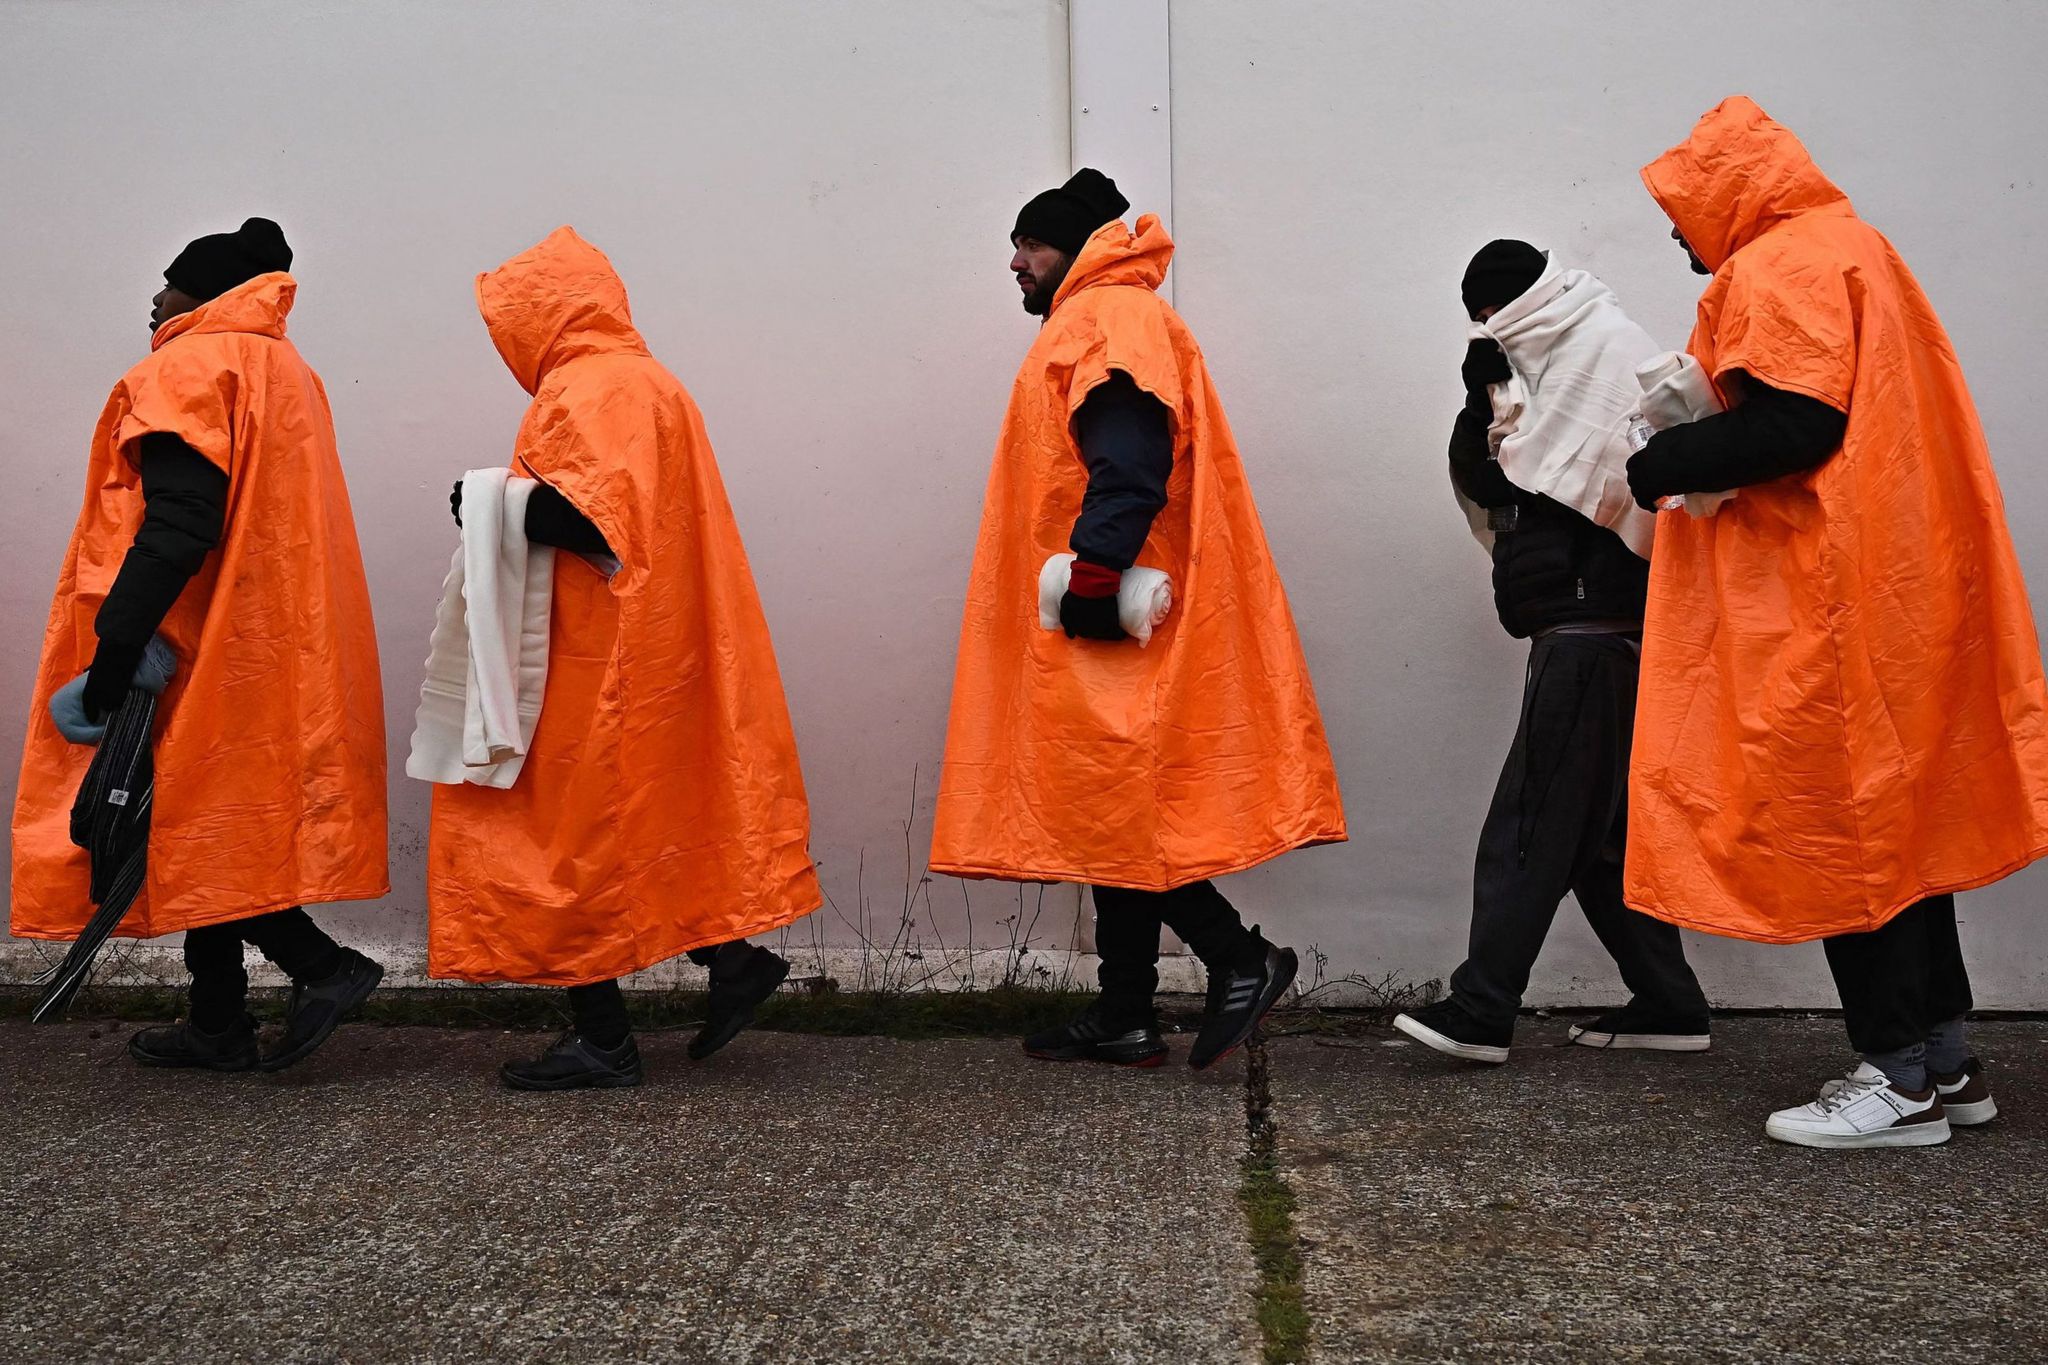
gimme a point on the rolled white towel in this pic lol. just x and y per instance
(487, 659)
(1143, 597)
(1675, 390)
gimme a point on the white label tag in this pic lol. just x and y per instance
(117, 798)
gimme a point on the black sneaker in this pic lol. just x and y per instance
(1644, 1029)
(232, 1049)
(1447, 1027)
(1098, 1036)
(318, 1007)
(575, 1063)
(1239, 998)
(735, 994)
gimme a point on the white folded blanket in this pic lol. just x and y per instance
(1561, 418)
(1676, 390)
(1143, 597)
(487, 663)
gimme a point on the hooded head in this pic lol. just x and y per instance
(1740, 174)
(1119, 256)
(554, 302)
(1500, 272)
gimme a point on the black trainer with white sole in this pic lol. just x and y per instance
(1632, 1028)
(1447, 1027)
(1239, 998)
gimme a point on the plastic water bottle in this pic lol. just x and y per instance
(1639, 433)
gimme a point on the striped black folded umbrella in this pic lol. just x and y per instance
(110, 821)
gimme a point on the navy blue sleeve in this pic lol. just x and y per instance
(1126, 441)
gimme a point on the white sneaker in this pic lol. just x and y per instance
(1966, 1095)
(1863, 1109)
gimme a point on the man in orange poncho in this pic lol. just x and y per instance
(1075, 754)
(660, 810)
(217, 518)
(1842, 718)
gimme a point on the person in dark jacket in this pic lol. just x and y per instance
(1557, 823)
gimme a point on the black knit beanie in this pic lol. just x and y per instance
(211, 266)
(1500, 273)
(1067, 217)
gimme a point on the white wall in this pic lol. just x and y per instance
(808, 203)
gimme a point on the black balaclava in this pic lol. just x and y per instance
(1067, 217)
(211, 266)
(1500, 273)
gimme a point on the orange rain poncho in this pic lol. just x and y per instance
(661, 807)
(1098, 762)
(1842, 710)
(270, 751)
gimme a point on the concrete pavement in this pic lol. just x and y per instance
(796, 1198)
(812, 1198)
(1578, 1205)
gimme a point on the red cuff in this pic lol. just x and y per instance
(1093, 580)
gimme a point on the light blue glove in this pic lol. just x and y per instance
(67, 704)
(67, 708)
(159, 665)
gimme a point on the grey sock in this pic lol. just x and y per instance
(1948, 1046)
(1907, 1067)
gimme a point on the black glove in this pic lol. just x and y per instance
(1657, 471)
(108, 680)
(455, 502)
(1485, 363)
(1473, 469)
(1090, 618)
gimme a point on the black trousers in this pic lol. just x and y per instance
(1558, 824)
(599, 1009)
(1127, 927)
(1897, 982)
(220, 985)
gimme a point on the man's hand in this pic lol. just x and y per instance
(455, 502)
(1657, 471)
(1089, 608)
(1090, 618)
(1474, 471)
(1485, 363)
(108, 679)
